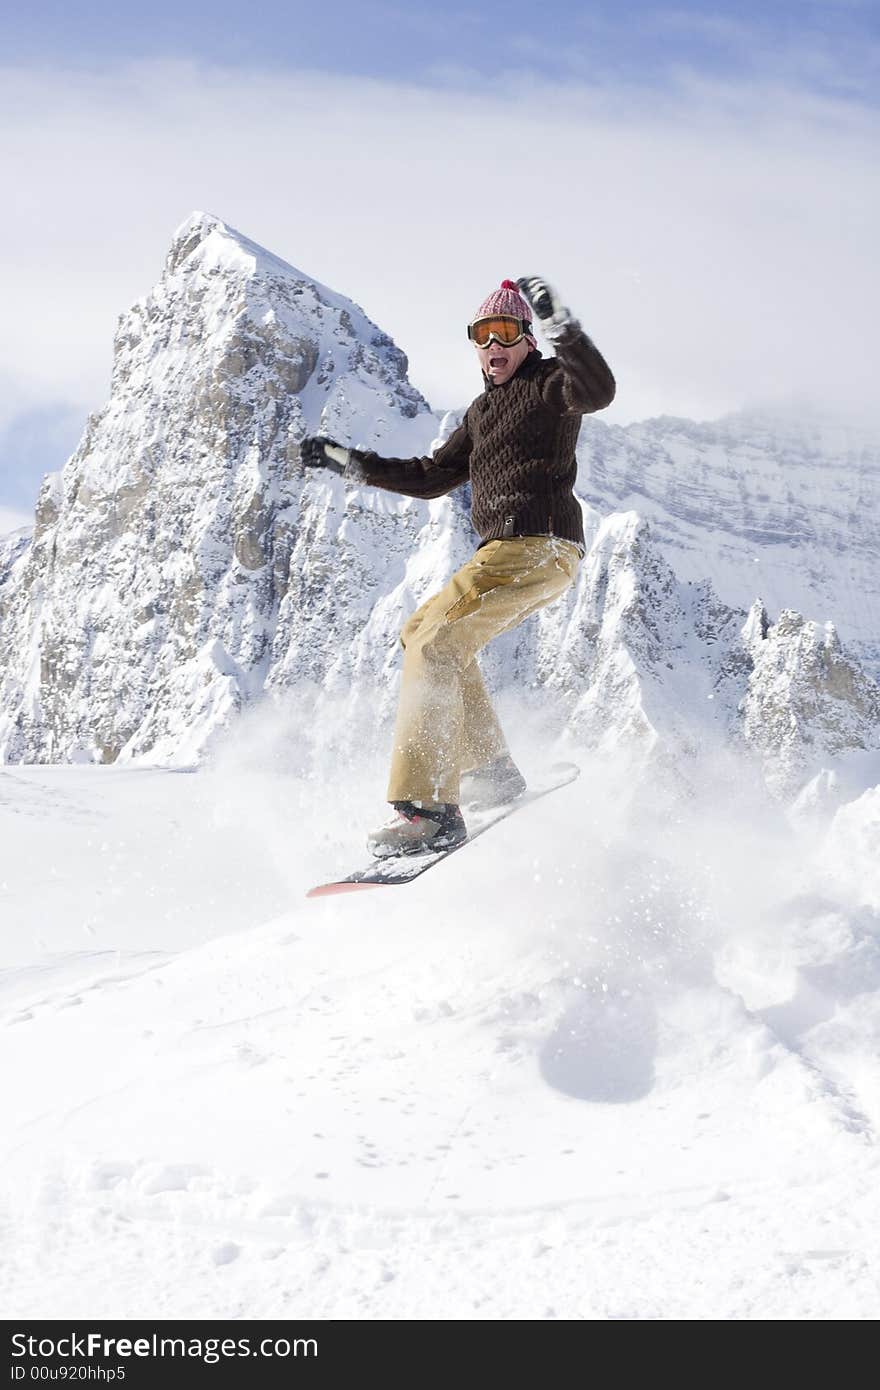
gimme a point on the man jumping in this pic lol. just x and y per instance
(516, 446)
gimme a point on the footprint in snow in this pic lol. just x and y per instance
(170, 1177)
(225, 1254)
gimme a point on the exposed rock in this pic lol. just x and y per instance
(806, 701)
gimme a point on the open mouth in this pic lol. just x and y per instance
(496, 363)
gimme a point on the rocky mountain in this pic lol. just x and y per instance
(639, 657)
(785, 506)
(183, 563)
(145, 610)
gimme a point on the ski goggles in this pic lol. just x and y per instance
(503, 328)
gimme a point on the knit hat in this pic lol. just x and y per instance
(506, 300)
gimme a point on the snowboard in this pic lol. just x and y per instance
(396, 869)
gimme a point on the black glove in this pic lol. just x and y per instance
(317, 452)
(539, 295)
(556, 320)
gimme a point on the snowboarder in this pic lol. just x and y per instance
(516, 445)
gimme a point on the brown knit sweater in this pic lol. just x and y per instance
(516, 444)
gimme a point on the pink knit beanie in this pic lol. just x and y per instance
(506, 300)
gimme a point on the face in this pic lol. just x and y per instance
(499, 363)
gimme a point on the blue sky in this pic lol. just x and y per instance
(703, 180)
(829, 44)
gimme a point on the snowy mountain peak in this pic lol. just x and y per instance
(204, 242)
(766, 502)
(191, 234)
(146, 609)
(807, 702)
(257, 318)
(756, 626)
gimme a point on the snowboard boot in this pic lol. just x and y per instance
(495, 784)
(418, 829)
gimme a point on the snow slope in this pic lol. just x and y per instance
(618, 1059)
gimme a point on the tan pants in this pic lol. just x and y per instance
(445, 722)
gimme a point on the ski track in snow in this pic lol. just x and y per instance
(581, 1071)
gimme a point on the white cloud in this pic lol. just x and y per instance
(11, 520)
(719, 245)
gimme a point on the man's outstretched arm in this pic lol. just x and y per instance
(430, 476)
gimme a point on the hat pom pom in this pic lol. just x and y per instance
(509, 285)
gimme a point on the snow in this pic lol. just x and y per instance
(618, 1059)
